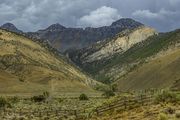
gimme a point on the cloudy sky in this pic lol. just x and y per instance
(31, 15)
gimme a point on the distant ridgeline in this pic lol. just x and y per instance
(63, 38)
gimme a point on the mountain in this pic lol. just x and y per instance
(151, 62)
(126, 23)
(54, 28)
(31, 67)
(63, 38)
(99, 58)
(11, 27)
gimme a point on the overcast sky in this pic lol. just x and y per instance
(31, 15)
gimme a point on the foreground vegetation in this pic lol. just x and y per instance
(164, 106)
(46, 108)
(161, 106)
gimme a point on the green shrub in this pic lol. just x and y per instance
(40, 98)
(4, 102)
(14, 99)
(21, 79)
(60, 100)
(114, 87)
(83, 97)
(169, 110)
(108, 93)
(167, 96)
(162, 116)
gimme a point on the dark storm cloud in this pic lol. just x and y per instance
(30, 15)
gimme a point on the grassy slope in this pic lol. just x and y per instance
(28, 67)
(159, 73)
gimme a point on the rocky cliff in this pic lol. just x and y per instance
(121, 43)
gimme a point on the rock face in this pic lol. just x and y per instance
(11, 27)
(120, 44)
(75, 38)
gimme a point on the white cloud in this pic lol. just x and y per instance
(163, 19)
(100, 17)
(145, 13)
(161, 14)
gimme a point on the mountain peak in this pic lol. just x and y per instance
(11, 27)
(56, 27)
(126, 23)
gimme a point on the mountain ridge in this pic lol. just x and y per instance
(63, 38)
(11, 27)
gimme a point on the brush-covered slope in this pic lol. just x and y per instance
(30, 67)
(156, 63)
(98, 59)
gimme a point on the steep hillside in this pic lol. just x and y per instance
(159, 64)
(30, 67)
(63, 38)
(98, 58)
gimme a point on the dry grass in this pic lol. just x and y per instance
(28, 67)
(158, 73)
(152, 112)
(28, 107)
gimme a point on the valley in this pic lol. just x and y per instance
(125, 71)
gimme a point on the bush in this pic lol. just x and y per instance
(162, 116)
(108, 93)
(167, 96)
(169, 110)
(14, 99)
(4, 102)
(40, 98)
(114, 87)
(83, 97)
